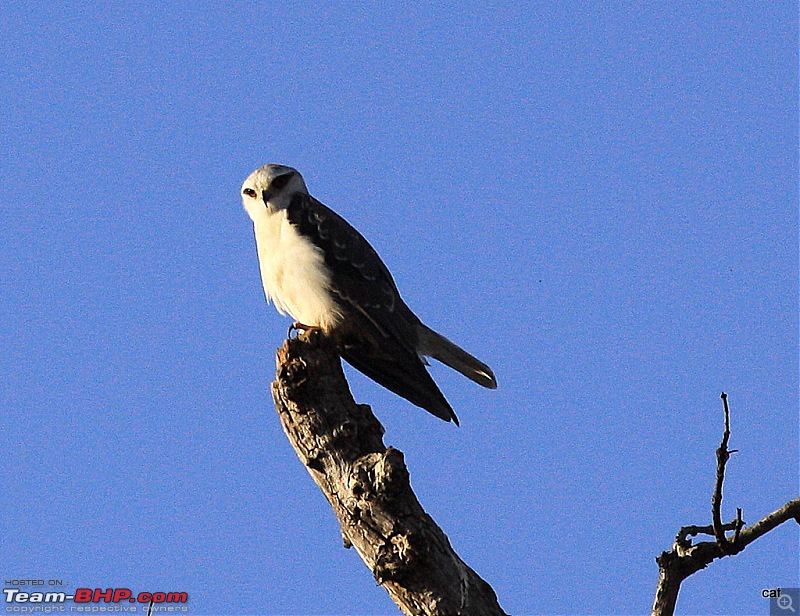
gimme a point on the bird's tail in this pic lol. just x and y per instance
(437, 346)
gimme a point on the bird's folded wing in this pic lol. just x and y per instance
(360, 281)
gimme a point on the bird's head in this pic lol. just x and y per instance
(270, 189)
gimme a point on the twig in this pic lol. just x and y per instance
(367, 485)
(739, 525)
(682, 538)
(723, 455)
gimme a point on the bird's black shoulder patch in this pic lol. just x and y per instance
(282, 180)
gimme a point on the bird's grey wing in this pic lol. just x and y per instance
(361, 283)
(380, 336)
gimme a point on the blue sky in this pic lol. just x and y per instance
(600, 200)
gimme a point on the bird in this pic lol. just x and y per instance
(322, 272)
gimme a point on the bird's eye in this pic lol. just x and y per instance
(281, 181)
(249, 192)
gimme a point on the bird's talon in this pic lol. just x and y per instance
(300, 327)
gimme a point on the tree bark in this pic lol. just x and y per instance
(367, 485)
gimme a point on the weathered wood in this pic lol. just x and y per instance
(367, 485)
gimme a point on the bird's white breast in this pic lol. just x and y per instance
(293, 272)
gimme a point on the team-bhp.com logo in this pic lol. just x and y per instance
(153, 600)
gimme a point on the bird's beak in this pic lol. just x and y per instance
(267, 195)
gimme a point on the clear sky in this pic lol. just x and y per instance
(600, 200)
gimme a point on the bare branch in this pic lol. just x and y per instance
(790, 510)
(367, 485)
(691, 531)
(685, 559)
(723, 455)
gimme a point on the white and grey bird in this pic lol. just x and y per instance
(322, 272)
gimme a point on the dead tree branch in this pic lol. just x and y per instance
(367, 485)
(723, 455)
(685, 559)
